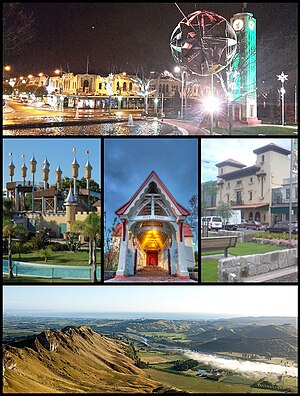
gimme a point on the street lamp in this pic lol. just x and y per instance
(61, 72)
(178, 69)
(282, 77)
(211, 105)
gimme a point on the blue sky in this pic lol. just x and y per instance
(128, 162)
(215, 150)
(236, 300)
(58, 152)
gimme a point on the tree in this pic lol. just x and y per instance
(90, 228)
(44, 252)
(208, 192)
(17, 29)
(224, 210)
(11, 229)
(193, 209)
(143, 81)
(110, 251)
(7, 206)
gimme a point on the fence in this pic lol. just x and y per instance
(51, 271)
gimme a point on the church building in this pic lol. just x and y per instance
(153, 233)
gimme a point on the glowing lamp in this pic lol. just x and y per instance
(211, 104)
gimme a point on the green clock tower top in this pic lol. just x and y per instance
(244, 66)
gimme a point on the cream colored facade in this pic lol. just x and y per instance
(121, 85)
(250, 188)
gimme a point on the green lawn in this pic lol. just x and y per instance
(200, 385)
(80, 258)
(209, 266)
(260, 129)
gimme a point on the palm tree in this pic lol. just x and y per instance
(90, 228)
(11, 229)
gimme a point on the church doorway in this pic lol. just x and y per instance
(152, 258)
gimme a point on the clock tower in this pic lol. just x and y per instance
(243, 76)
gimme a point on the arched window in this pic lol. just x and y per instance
(118, 85)
(250, 215)
(124, 86)
(100, 86)
(130, 86)
(85, 83)
(257, 216)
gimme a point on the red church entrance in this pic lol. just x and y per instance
(152, 257)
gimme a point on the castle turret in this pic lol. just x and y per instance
(11, 168)
(45, 171)
(71, 208)
(75, 167)
(58, 173)
(33, 164)
(24, 172)
(88, 173)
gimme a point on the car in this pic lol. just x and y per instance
(242, 224)
(212, 222)
(254, 225)
(282, 227)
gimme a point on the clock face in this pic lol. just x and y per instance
(238, 24)
(251, 25)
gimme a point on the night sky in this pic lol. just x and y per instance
(129, 34)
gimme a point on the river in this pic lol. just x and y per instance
(227, 363)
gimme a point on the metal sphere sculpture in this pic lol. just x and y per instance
(204, 43)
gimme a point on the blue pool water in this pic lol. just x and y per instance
(50, 271)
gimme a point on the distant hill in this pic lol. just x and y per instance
(73, 360)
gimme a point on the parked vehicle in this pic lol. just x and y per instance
(233, 222)
(212, 222)
(254, 225)
(282, 228)
(242, 224)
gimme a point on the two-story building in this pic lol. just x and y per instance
(281, 197)
(249, 188)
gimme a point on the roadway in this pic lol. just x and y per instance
(16, 113)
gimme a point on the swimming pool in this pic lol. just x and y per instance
(50, 271)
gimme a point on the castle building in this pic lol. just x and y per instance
(153, 232)
(52, 207)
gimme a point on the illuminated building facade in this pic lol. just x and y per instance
(153, 233)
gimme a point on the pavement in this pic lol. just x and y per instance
(151, 279)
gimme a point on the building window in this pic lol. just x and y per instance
(287, 193)
(227, 197)
(250, 196)
(100, 86)
(250, 215)
(239, 198)
(221, 171)
(251, 110)
(296, 192)
(130, 86)
(251, 179)
(264, 217)
(124, 86)
(263, 158)
(228, 184)
(167, 88)
(118, 85)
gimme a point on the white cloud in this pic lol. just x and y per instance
(215, 150)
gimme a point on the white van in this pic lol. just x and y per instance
(212, 222)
